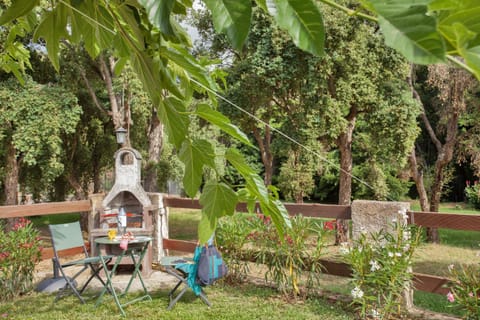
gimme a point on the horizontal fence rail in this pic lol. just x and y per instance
(42, 209)
(315, 210)
(468, 222)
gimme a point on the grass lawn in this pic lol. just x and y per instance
(239, 302)
(456, 247)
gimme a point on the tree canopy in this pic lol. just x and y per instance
(146, 34)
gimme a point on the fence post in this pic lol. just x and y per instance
(94, 216)
(160, 225)
(373, 216)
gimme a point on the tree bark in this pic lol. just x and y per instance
(77, 187)
(452, 85)
(344, 144)
(11, 180)
(155, 140)
(106, 72)
(266, 153)
(11, 175)
(417, 176)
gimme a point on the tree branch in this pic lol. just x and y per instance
(428, 126)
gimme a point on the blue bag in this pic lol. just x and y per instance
(211, 266)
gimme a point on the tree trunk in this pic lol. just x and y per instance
(344, 143)
(452, 85)
(77, 187)
(266, 152)
(417, 176)
(105, 70)
(11, 180)
(155, 139)
(11, 176)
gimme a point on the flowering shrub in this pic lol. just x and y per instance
(19, 252)
(287, 259)
(465, 292)
(381, 267)
(472, 193)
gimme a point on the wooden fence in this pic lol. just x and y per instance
(422, 282)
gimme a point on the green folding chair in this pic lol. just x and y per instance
(67, 236)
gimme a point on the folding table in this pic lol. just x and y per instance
(136, 250)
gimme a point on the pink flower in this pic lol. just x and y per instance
(450, 297)
(470, 294)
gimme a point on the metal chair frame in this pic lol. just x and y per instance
(66, 236)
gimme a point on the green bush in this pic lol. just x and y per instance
(19, 252)
(472, 194)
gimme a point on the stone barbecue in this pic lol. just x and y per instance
(127, 194)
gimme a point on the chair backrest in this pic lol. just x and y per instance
(66, 235)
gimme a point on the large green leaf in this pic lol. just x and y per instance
(254, 183)
(206, 228)
(275, 209)
(410, 30)
(195, 155)
(303, 20)
(159, 14)
(238, 162)
(52, 29)
(231, 17)
(468, 18)
(216, 118)
(181, 57)
(217, 200)
(460, 27)
(145, 68)
(94, 26)
(462, 37)
(472, 58)
(17, 9)
(172, 113)
(255, 189)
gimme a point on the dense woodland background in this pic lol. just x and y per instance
(400, 130)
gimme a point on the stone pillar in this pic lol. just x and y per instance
(373, 216)
(160, 226)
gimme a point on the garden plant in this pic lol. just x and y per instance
(381, 269)
(20, 250)
(472, 194)
(465, 290)
(290, 260)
